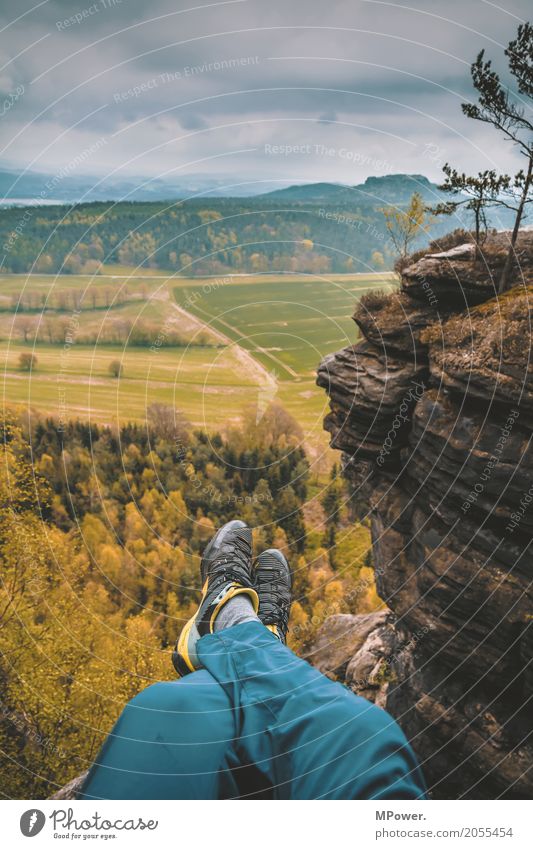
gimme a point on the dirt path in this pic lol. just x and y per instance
(264, 351)
(253, 368)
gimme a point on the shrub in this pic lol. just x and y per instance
(372, 301)
(115, 368)
(27, 362)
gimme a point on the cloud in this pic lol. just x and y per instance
(329, 117)
(166, 84)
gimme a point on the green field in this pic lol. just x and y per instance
(76, 383)
(288, 323)
(267, 335)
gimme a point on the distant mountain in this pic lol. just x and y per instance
(325, 228)
(327, 192)
(70, 188)
(391, 188)
(67, 187)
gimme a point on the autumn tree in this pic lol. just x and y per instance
(500, 108)
(406, 225)
(100, 532)
(331, 502)
(168, 423)
(26, 326)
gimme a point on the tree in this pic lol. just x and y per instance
(26, 326)
(498, 107)
(331, 502)
(331, 499)
(275, 426)
(405, 225)
(288, 515)
(27, 362)
(377, 259)
(475, 194)
(168, 423)
(88, 608)
(115, 368)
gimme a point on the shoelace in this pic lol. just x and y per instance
(227, 568)
(274, 604)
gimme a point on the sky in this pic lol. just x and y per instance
(248, 90)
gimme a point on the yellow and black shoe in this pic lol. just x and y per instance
(226, 572)
(272, 579)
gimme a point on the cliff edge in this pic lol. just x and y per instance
(433, 413)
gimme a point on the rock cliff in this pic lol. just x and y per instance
(433, 412)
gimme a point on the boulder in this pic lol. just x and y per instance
(453, 280)
(446, 278)
(340, 638)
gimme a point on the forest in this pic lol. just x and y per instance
(288, 232)
(100, 537)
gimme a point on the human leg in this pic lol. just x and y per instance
(172, 741)
(312, 738)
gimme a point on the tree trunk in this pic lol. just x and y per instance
(504, 279)
(477, 213)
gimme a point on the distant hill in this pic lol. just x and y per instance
(72, 188)
(312, 192)
(391, 188)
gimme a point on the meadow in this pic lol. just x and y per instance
(287, 323)
(248, 340)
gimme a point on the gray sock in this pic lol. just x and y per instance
(236, 611)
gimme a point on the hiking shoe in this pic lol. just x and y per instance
(272, 578)
(226, 572)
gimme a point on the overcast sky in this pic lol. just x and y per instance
(295, 90)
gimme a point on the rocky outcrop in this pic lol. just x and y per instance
(451, 278)
(447, 474)
(393, 322)
(368, 390)
(71, 790)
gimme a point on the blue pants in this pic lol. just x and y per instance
(256, 722)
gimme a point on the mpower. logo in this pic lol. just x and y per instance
(32, 822)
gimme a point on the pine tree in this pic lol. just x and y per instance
(498, 107)
(475, 194)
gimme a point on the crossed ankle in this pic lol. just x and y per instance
(237, 610)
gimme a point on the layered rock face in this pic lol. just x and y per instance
(433, 412)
